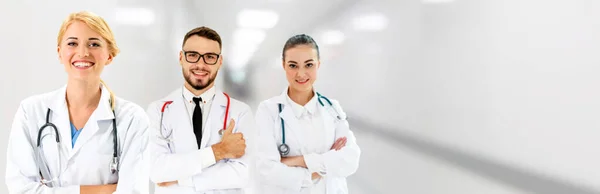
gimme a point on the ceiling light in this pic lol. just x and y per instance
(332, 37)
(134, 16)
(262, 19)
(370, 22)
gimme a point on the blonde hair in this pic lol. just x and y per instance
(96, 23)
(112, 95)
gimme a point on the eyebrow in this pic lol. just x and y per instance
(192, 51)
(75, 38)
(310, 60)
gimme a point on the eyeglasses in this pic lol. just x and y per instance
(194, 57)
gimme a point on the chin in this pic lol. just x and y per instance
(298, 87)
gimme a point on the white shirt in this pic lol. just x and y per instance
(311, 121)
(207, 98)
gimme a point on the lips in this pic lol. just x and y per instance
(200, 73)
(82, 64)
(302, 81)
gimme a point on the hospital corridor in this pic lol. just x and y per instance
(443, 96)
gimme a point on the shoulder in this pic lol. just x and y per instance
(335, 104)
(36, 100)
(127, 109)
(158, 104)
(39, 101)
(268, 106)
(239, 105)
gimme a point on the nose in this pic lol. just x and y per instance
(301, 72)
(83, 52)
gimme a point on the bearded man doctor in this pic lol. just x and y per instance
(199, 135)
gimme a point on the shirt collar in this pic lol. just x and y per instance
(206, 96)
(309, 107)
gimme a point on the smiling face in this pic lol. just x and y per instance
(200, 72)
(83, 52)
(301, 63)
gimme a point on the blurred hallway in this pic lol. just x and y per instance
(445, 96)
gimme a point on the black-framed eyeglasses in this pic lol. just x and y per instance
(194, 57)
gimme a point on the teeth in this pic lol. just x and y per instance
(82, 64)
(200, 72)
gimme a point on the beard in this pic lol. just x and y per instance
(198, 85)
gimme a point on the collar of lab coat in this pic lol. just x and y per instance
(177, 95)
(289, 117)
(298, 109)
(58, 104)
(206, 96)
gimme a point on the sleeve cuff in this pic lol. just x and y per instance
(74, 189)
(315, 163)
(207, 157)
(189, 182)
(307, 181)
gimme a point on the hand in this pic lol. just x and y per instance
(294, 161)
(315, 176)
(166, 184)
(232, 145)
(98, 189)
(339, 143)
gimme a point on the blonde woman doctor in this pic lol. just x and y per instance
(306, 145)
(79, 138)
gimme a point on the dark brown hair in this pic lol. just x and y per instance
(300, 39)
(204, 32)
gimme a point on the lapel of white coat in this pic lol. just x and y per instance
(103, 113)
(59, 116)
(328, 120)
(216, 117)
(178, 120)
(292, 126)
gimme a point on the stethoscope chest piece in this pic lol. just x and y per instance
(284, 149)
(114, 165)
(221, 131)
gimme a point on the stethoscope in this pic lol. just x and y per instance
(45, 169)
(284, 149)
(168, 136)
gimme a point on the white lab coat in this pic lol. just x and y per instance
(87, 163)
(225, 176)
(278, 178)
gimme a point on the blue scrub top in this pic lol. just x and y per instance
(74, 134)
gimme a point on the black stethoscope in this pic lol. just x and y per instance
(284, 149)
(44, 169)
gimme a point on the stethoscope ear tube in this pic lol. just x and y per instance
(48, 124)
(114, 166)
(45, 169)
(284, 149)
